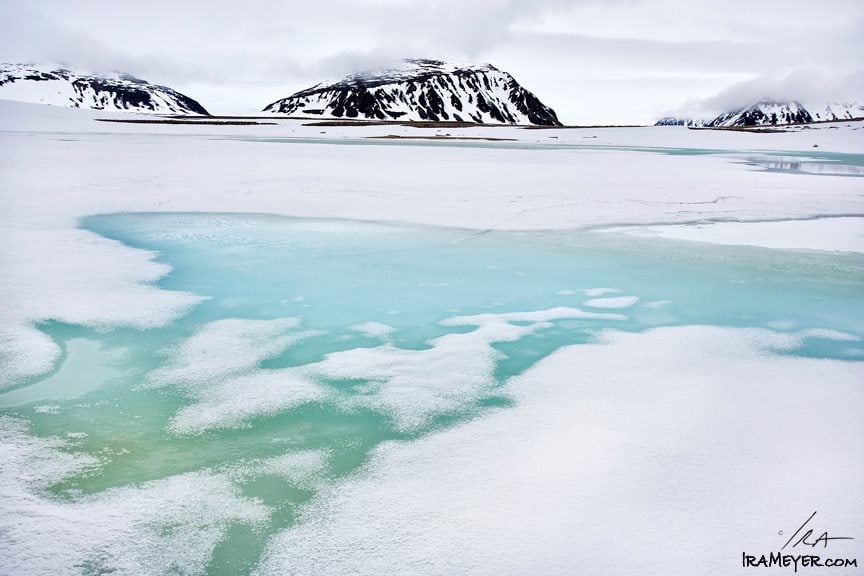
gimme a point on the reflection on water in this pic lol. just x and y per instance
(827, 167)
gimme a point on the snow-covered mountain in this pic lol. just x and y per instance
(61, 87)
(774, 112)
(764, 112)
(423, 90)
(676, 121)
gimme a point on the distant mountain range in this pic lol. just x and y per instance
(772, 113)
(415, 90)
(676, 121)
(420, 90)
(62, 87)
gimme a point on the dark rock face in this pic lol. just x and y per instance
(423, 90)
(76, 90)
(138, 97)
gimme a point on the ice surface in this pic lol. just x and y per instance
(663, 457)
(88, 366)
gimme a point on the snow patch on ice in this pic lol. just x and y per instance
(412, 386)
(232, 402)
(829, 334)
(409, 386)
(47, 409)
(373, 329)
(557, 313)
(299, 468)
(619, 302)
(168, 526)
(816, 333)
(226, 347)
(600, 291)
(218, 368)
(303, 469)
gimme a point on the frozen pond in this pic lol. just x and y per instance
(317, 340)
(814, 162)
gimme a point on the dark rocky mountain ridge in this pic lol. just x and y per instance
(63, 87)
(423, 90)
(767, 112)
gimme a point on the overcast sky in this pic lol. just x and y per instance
(609, 61)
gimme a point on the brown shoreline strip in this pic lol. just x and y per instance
(397, 137)
(208, 122)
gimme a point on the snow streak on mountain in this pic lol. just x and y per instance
(423, 90)
(62, 87)
(838, 111)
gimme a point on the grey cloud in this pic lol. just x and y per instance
(810, 86)
(668, 53)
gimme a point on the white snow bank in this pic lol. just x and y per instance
(107, 167)
(833, 234)
(663, 453)
(77, 277)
